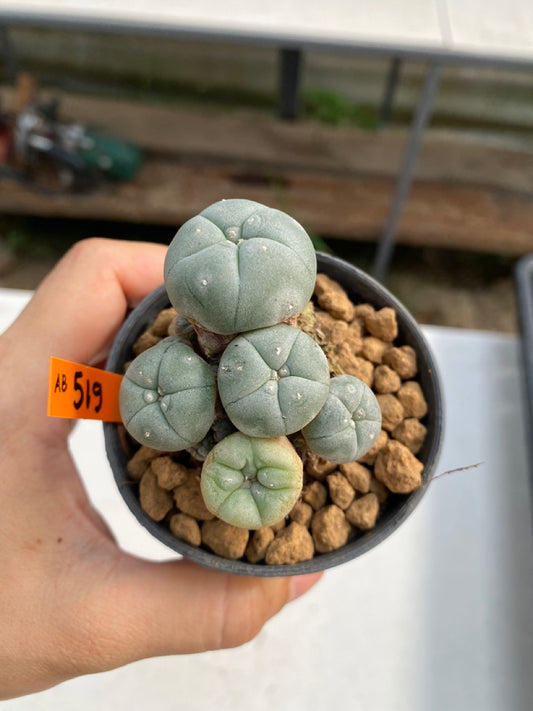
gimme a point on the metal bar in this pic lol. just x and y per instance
(289, 87)
(403, 185)
(393, 77)
(8, 52)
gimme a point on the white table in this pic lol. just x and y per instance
(456, 29)
(437, 618)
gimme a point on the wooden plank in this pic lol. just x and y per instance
(257, 138)
(166, 192)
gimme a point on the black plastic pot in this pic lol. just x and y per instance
(361, 288)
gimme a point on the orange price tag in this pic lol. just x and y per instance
(82, 392)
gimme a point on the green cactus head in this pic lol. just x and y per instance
(167, 397)
(238, 266)
(251, 482)
(272, 381)
(348, 424)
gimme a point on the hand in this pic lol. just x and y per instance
(71, 602)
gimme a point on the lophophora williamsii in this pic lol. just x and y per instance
(240, 377)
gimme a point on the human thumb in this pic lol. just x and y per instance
(179, 608)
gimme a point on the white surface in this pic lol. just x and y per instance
(338, 20)
(437, 618)
(491, 28)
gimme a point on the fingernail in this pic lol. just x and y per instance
(300, 584)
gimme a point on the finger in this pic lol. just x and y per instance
(181, 608)
(74, 315)
(83, 301)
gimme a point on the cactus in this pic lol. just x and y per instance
(251, 482)
(273, 381)
(348, 424)
(238, 266)
(236, 272)
(221, 428)
(167, 397)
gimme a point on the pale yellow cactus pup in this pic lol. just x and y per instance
(251, 482)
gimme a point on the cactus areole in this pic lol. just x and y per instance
(240, 271)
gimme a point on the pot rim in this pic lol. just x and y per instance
(361, 287)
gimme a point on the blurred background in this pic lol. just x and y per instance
(191, 122)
